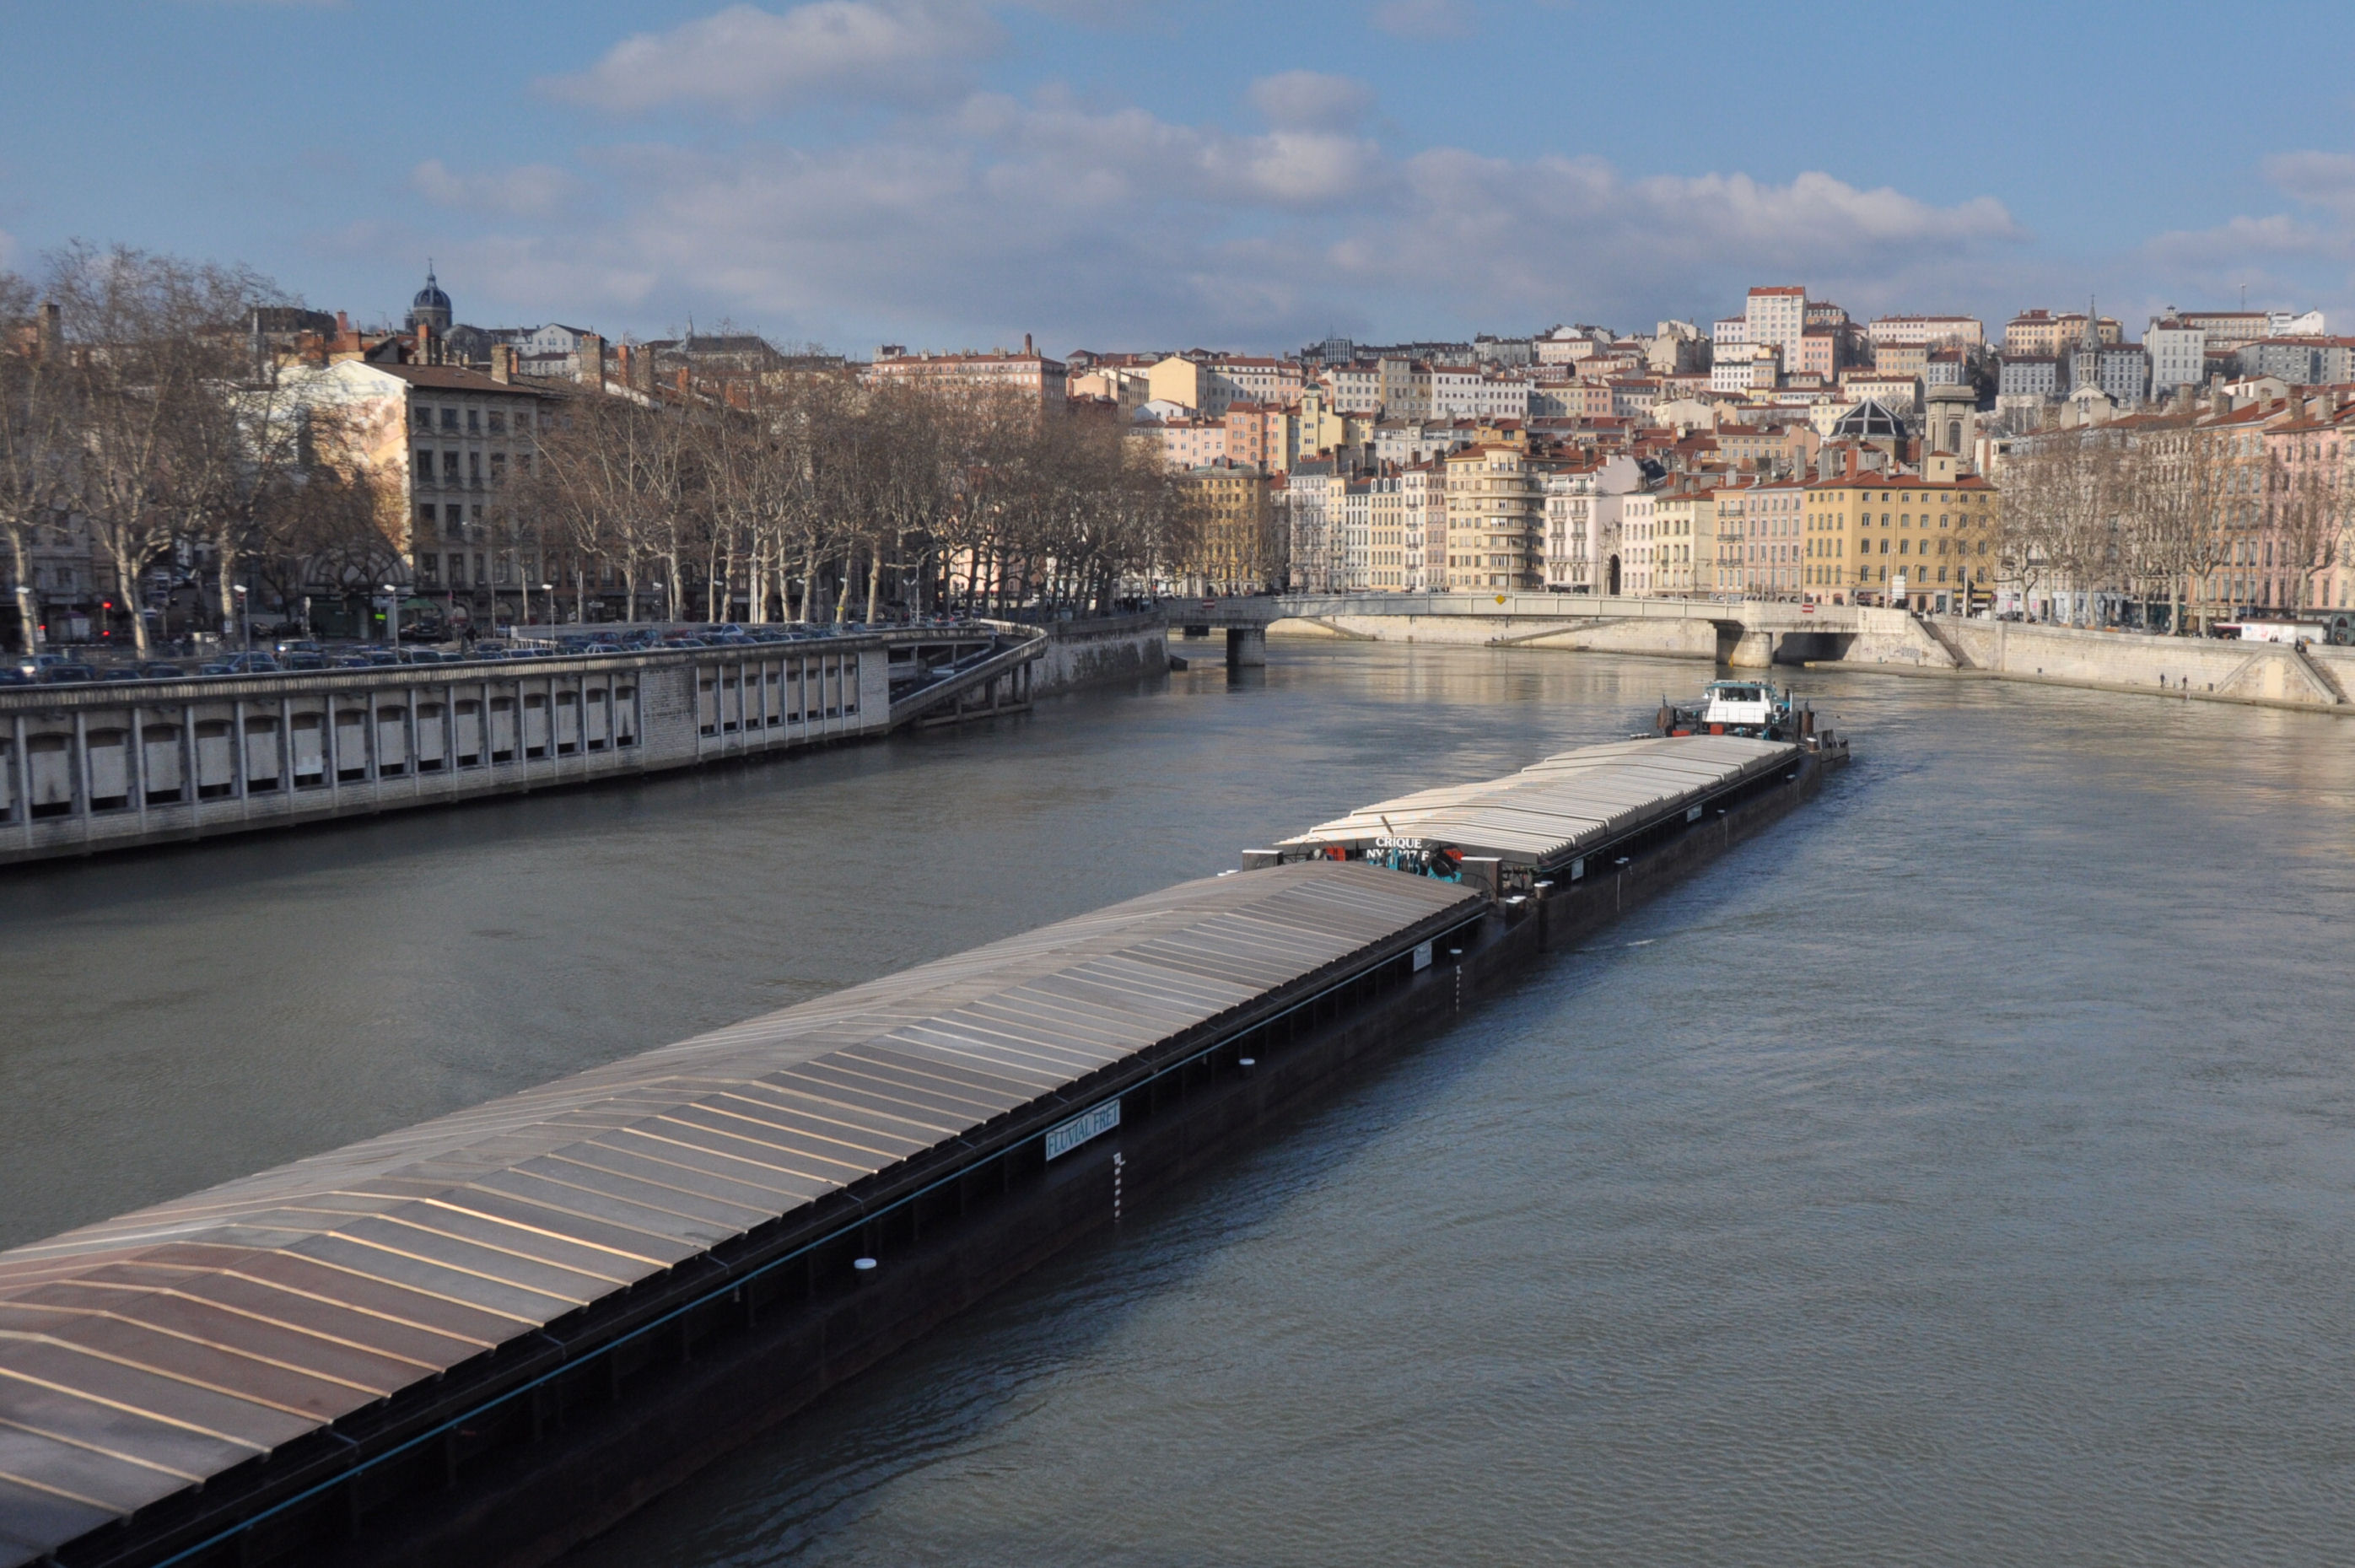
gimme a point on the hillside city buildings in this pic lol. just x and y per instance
(1786, 451)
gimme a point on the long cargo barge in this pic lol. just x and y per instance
(486, 1338)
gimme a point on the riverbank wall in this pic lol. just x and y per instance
(1108, 651)
(2306, 676)
(2273, 675)
(105, 767)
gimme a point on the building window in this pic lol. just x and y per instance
(425, 518)
(499, 423)
(473, 422)
(450, 419)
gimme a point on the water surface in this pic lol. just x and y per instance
(1958, 1173)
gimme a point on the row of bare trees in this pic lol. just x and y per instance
(140, 415)
(826, 499)
(2172, 510)
(134, 417)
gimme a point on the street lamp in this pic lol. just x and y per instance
(244, 614)
(392, 612)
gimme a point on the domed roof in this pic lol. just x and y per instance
(431, 307)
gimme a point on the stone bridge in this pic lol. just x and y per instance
(1742, 632)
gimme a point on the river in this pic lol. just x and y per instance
(1959, 1173)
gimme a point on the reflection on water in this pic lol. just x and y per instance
(1959, 1173)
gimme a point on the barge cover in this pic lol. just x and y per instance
(1563, 807)
(298, 1313)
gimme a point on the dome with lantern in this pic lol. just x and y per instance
(431, 306)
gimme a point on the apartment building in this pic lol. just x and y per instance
(1777, 316)
(1234, 546)
(1637, 525)
(1494, 516)
(1684, 539)
(1772, 516)
(1584, 523)
(2178, 351)
(1925, 540)
(1029, 376)
(1926, 331)
(1256, 380)
(1353, 388)
(1183, 443)
(446, 441)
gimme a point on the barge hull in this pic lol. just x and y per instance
(595, 1473)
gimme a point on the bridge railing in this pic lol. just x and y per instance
(1554, 607)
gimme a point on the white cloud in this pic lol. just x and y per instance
(2318, 179)
(746, 61)
(1309, 100)
(2280, 259)
(1426, 18)
(1114, 226)
(1061, 155)
(529, 190)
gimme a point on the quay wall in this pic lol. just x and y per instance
(1105, 652)
(89, 768)
(2309, 677)
(85, 769)
(2197, 669)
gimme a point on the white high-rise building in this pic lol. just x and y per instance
(1778, 315)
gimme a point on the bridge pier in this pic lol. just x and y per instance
(1752, 649)
(1246, 647)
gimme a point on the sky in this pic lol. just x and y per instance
(1117, 175)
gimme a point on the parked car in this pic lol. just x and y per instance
(121, 672)
(157, 669)
(303, 660)
(353, 661)
(240, 663)
(65, 674)
(12, 675)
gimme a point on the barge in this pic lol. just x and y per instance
(486, 1338)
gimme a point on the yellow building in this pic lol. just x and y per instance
(1871, 536)
(1685, 534)
(1232, 549)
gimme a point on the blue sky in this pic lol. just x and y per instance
(1110, 174)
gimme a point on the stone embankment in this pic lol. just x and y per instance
(1100, 652)
(2306, 677)
(2303, 676)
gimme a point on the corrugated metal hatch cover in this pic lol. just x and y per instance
(148, 1353)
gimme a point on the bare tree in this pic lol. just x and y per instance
(39, 454)
(149, 341)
